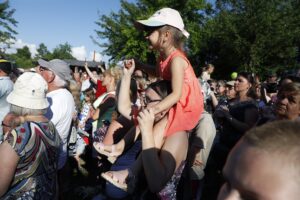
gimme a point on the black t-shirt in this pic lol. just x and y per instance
(229, 134)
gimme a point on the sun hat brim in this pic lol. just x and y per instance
(44, 63)
(59, 67)
(24, 102)
(142, 24)
(151, 23)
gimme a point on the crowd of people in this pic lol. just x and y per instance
(148, 132)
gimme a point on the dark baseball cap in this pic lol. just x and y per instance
(6, 66)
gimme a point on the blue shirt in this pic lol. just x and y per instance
(6, 86)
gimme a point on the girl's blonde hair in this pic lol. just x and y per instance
(177, 36)
(114, 72)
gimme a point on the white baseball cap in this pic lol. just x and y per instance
(29, 91)
(165, 16)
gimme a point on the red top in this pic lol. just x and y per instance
(100, 89)
(185, 114)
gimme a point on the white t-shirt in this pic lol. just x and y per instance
(85, 85)
(60, 112)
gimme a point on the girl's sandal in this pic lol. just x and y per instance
(111, 156)
(112, 177)
(112, 159)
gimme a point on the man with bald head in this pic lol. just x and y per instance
(264, 164)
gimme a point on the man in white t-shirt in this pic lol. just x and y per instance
(62, 107)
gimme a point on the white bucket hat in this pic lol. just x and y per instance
(29, 92)
(165, 16)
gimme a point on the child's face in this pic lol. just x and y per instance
(154, 38)
(87, 98)
(106, 79)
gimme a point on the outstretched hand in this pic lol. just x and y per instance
(146, 121)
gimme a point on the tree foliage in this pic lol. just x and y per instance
(22, 58)
(120, 38)
(62, 51)
(250, 35)
(255, 35)
(43, 52)
(7, 22)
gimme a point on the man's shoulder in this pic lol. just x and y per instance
(6, 84)
(6, 80)
(60, 97)
(59, 93)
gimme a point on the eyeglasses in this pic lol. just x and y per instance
(5, 125)
(43, 69)
(147, 100)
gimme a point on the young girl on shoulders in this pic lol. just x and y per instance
(165, 33)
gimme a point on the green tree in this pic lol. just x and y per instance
(22, 58)
(254, 35)
(118, 36)
(7, 33)
(62, 51)
(43, 52)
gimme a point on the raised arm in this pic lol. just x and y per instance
(91, 75)
(124, 102)
(101, 68)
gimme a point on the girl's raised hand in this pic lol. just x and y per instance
(129, 66)
(146, 121)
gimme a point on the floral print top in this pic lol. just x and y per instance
(169, 191)
(37, 145)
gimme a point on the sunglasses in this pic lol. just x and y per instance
(5, 125)
(43, 69)
(147, 100)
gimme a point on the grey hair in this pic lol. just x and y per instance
(59, 82)
(26, 111)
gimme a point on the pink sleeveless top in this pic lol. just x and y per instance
(185, 114)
